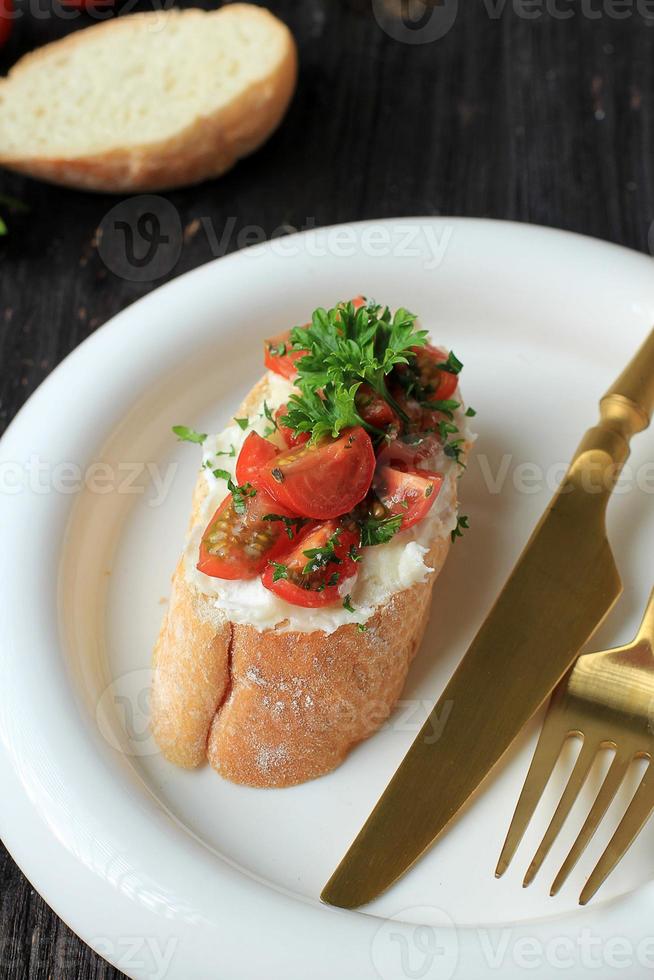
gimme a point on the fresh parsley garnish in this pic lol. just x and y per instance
(347, 603)
(452, 364)
(320, 557)
(454, 449)
(462, 524)
(243, 423)
(239, 494)
(271, 418)
(354, 554)
(447, 406)
(292, 525)
(362, 628)
(184, 434)
(281, 571)
(379, 530)
(470, 412)
(345, 348)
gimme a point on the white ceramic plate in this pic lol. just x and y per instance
(182, 875)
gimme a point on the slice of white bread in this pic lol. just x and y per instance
(274, 708)
(148, 101)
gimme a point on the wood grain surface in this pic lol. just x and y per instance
(533, 113)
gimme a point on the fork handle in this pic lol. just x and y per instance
(646, 631)
(625, 409)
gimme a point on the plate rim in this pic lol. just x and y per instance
(22, 813)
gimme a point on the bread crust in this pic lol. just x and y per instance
(272, 708)
(208, 147)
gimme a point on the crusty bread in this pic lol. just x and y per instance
(148, 101)
(276, 708)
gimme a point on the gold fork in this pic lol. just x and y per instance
(607, 700)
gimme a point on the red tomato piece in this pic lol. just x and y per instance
(410, 494)
(6, 20)
(239, 545)
(313, 579)
(290, 436)
(402, 454)
(358, 302)
(280, 357)
(324, 479)
(442, 383)
(373, 409)
(255, 451)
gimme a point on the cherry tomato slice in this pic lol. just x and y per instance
(290, 436)
(255, 451)
(442, 383)
(280, 357)
(408, 455)
(6, 20)
(313, 579)
(373, 409)
(324, 479)
(410, 494)
(239, 545)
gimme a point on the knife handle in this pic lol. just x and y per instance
(625, 409)
(629, 403)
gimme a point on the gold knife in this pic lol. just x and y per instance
(562, 587)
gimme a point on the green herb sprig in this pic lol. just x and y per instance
(345, 348)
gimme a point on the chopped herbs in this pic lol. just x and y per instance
(243, 423)
(462, 524)
(354, 554)
(271, 418)
(362, 628)
(347, 603)
(184, 434)
(239, 493)
(320, 557)
(347, 347)
(448, 406)
(452, 364)
(454, 449)
(281, 571)
(278, 350)
(379, 530)
(470, 412)
(292, 525)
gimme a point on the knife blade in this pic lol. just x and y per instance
(563, 586)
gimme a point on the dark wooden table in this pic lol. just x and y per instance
(542, 114)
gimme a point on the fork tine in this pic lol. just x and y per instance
(628, 829)
(570, 793)
(603, 800)
(547, 752)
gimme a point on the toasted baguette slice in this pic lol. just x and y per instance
(273, 708)
(148, 101)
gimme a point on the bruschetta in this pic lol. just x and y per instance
(321, 519)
